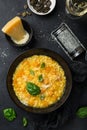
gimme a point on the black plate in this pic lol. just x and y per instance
(56, 57)
(28, 28)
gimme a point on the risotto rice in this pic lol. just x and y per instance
(44, 72)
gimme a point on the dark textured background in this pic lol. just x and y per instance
(64, 118)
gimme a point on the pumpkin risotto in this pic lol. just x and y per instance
(39, 81)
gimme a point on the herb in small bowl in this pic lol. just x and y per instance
(9, 114)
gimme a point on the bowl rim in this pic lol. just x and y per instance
(35, 12)
(55, 56)
(28, 28)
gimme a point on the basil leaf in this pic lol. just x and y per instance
(32, 72)
(40, 78)
(43, 65)
(33, 89)
(9, 114)
(25, 121)
(82, 112)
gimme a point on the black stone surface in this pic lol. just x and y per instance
(63, 118)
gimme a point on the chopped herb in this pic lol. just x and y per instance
(43, 65)
(40, 78)
(25, 121)
(42, 6)
(32, 72)
(28, 13)
(33, 89)
(42, 96)
(25, 6)
(24, 13)
(82, 112)
(9, 114)
(33, 2)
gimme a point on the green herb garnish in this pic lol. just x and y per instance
(32, 72)
(25, 121)
(43, 65)
(42, 96)
(40, 78)
(9, 114)
(82, 112)
(33, 89)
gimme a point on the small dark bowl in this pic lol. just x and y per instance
(28, 28)
(56, 57)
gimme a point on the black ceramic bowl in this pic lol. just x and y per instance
(56, 57)
(28, 28)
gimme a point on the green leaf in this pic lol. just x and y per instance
(25, 121)
(40, 78)
(82, 112)
(33, 89)
(9, 114)
(32, 72)
(43, 65)
(42, 96)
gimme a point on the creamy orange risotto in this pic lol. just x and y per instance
(39, 81)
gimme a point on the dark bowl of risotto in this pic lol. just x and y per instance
(39, 81)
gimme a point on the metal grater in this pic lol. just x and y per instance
(67, 40)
